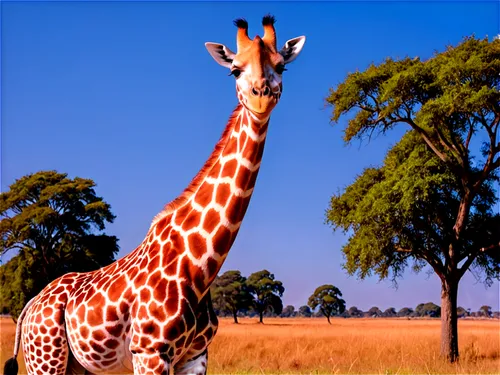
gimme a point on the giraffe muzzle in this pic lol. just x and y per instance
(266, 91)
(262, 103)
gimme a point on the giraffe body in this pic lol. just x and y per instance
(150, 312)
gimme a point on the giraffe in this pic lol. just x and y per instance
(150, 311)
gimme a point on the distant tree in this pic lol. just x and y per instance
(405, 311)
(288, 311)
(496, 314)
(247, 312)
(317, 314)
(374, 312)
(54, 224)
(230, 293)
(485, 311)
(428, 309)
(328, 299)
(390, 312)
(16, 286)
(305, 311)
(461, 312)
(266, 293)
(420, 209)
(355, 312)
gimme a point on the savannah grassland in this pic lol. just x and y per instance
(348, 346)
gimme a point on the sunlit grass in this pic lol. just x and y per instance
(348, 346)
(375, 346)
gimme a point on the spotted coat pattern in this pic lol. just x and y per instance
(150, 312)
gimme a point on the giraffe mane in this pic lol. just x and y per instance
(197, 180)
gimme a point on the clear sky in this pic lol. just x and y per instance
(126, 94)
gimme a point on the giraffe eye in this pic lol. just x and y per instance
(280, 68)
(235, 72)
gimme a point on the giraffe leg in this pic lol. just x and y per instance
(193, 366)
(151, 364)
(43, 358)
(45, 346)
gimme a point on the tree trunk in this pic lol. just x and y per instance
(449, 329)
(261, 315)
(328, 318)
(235, 316)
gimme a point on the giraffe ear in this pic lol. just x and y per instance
(223, 55)
(292, 48)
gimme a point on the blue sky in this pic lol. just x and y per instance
(126, 94)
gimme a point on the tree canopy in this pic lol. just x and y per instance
(405, 311)
(390, 312)
(288, 311)
(230, 293)
(328, 299)
(305, 311)
(266, 292)
(431, 202)
(486, 311)
(374, 312)
(354, 312)
(428, 309)
(55, 224)
(404, 211)
(461, 312)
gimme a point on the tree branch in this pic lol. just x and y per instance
(488, 248)
(435, 263)
(450, 146)
(489, 165)
(467, 264)
(401, 250)
(472, 256)
(366, 108)
(12, 247)
(427, 139)
(469, 136)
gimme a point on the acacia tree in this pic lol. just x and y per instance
(390, 312)
(266, 293)
(328, 298)
(486, 311)
(374, 312)
(428, 309)
(355, 312)
(461, 312)
(444, 218)
(230, 293)
(405, 311)
(288, 311)
(55, 224)
(305, 311)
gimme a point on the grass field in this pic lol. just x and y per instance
(348, 346)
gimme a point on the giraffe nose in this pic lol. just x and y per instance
(261, 92)
(262, 88)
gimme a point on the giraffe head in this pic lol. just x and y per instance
(258, 65)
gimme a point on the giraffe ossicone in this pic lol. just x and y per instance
(150, 311)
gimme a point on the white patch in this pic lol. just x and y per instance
(274, 80)
(195, 367)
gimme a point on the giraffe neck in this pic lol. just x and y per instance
(202, 223)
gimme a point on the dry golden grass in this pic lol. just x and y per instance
(374, 346)
(348, 346)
